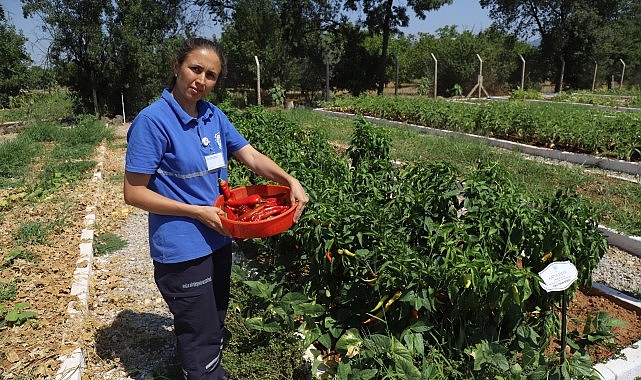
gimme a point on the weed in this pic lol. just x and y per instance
(18, 315)
(107, 243)
(33, 233)
(426, 86)
(16, 155)
(277, 94)
(43, 132)
(8, 291)
(20, 253)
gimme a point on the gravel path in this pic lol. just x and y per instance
(135, 337)
(133, 333)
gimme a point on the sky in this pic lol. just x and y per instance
(466, 14)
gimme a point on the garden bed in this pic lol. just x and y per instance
(32, 350)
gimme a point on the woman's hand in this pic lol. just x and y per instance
(210, 217)
(266, 168)
(137, 194)
(297, 193)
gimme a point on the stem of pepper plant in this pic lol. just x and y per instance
(564, 324)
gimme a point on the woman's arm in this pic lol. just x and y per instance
(267, 168)
(138, 195)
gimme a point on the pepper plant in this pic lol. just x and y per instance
(414, 272)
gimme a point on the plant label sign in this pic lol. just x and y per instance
(558, 276)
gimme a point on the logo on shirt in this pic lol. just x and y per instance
(218, 140)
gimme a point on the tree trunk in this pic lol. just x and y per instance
(560, 72)
(95, 95)
(386, 33)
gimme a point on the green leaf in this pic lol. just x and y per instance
(489, 353)
(325, 340)
(343, 371)
(309, 309)
(257, 323)
(349, 342)
(406, 368)
(294, 298)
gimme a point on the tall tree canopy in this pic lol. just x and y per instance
(383, 16)
(284, 34)
(107, 48)
(574, 32)
(14, 60)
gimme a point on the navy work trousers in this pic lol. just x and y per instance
(197, 292)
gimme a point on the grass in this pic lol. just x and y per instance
(616, 202)
(33, 233)
(33, 107)
(8, 291)
(106, 243)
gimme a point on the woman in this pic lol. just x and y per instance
(178, 148)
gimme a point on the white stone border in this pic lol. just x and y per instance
(73, 364)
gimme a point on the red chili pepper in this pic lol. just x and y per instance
(240, 210)
(279, 199)
(224, 186)
(269, 211)
(248, 200)
(246, 216)
(231, 215)
(414, 313)
(271, 201)
(328, 256)
(374, 318)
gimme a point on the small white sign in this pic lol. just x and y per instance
(558, 276)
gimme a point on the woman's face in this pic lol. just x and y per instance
(196, 77)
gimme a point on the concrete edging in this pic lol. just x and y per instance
(74, 363)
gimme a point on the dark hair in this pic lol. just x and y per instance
(191, 44)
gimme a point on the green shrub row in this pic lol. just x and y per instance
(560, 126)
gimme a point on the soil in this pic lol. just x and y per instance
(31, 351)
(585, 305)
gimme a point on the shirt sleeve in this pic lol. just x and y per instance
(145, 146)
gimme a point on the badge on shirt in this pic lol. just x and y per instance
(215, 161)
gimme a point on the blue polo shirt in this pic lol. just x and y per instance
(185, 156)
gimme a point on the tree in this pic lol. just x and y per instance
(142, 36)
(382, 16)
(284, 34)
(571, 32)
(626, 46)
(14, 61)
(77, 38)
(105, 49)
(356, 69)
(254, 30)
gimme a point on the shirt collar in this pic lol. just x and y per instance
(185, 118)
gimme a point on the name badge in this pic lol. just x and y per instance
(215, 161)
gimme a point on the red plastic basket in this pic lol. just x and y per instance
(261, 228)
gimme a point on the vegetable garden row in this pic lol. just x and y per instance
(568, 127)
(415, 272)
